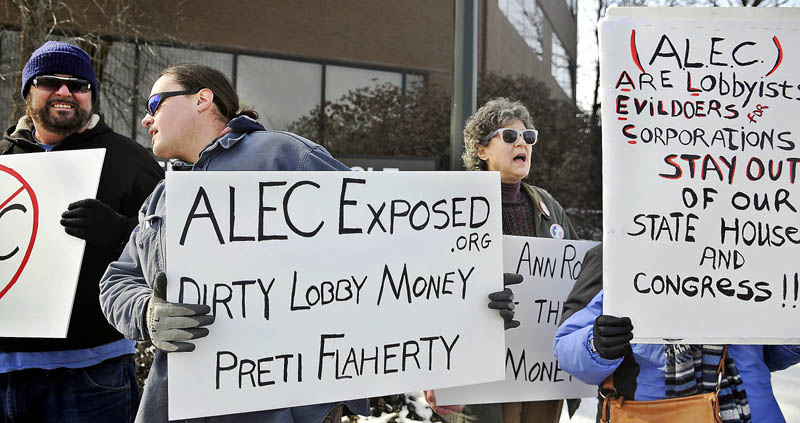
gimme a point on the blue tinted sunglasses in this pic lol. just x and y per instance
(155, 100)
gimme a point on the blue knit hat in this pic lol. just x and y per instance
(58, 57)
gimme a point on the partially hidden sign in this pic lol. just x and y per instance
(332, 285)
(39, 262)
(700, 174)
(549, 268)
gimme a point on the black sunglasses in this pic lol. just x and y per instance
(54, 83)
(510, 135)
(155, 100)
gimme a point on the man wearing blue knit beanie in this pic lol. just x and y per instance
(90, 375)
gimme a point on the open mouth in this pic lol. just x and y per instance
(520, 158)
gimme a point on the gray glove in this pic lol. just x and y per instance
(170, 324)
(504, 300)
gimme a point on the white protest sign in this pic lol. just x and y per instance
(332, 285)
(39, 262)
(549, 268)
(700, 154)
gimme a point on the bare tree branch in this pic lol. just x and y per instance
(96, 26)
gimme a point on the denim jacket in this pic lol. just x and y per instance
(127, 284)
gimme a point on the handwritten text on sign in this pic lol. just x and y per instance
(700, 158)
(39, 262)
(332, 285)
(549, 268)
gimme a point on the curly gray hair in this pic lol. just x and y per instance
(493, 115)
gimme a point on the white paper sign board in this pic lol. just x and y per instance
(549, 268)
(39, 262)
(700, 174)
(333, 285)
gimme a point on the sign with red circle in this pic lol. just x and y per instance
(11, 204)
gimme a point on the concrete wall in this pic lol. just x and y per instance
(504, 51)
(409, 35)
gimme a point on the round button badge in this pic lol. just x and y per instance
(556, 231)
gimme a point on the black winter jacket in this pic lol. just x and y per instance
(129, 175)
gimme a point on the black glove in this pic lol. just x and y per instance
(169, 324)
(612, 336)
(96, 222)
(504, 300)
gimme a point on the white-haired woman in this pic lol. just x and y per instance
(500, 137)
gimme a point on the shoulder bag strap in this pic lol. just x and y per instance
(721, 368)
(607, 390)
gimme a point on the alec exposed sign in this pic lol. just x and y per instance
(700, 156)
(332, 285)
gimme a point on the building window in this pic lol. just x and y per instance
(339, 80)
(414, 81)
(117, 88)
(9, 60)
(560, 66)
(527, 18)
(279, 90)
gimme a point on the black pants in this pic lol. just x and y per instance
(104, 392)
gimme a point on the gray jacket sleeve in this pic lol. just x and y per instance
(124, 291)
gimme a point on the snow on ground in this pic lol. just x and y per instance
(415, 399)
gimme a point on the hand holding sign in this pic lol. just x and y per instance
(319, 280)
(503, 301)
(612, 336)
(96, 222)
(170, 324)
(39, 263)
(549, 268)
